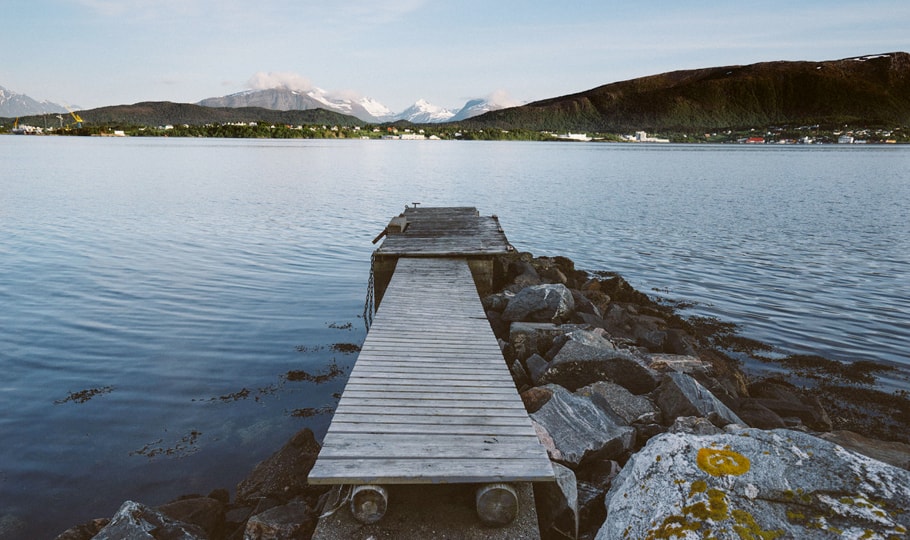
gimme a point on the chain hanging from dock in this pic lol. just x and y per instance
(369, 307)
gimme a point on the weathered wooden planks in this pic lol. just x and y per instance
(439, 232)
(430, 399)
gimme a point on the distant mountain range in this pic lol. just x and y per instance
(871, 90)
(13, 104)
(366, 109)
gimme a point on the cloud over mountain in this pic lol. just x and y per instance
(279, 79)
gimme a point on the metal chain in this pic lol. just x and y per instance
(369, 304)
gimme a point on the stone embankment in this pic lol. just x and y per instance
(652, 430)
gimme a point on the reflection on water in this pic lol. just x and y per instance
(194, 292)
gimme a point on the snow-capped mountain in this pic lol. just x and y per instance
(475, 107)
(13, 104)
(424, 112)
(283, 99)
(366, 109)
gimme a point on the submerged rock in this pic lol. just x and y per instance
(755, 484)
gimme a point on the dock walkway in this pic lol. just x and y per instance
(430, 399)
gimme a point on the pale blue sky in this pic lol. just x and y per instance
(94, 53)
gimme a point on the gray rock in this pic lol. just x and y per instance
(552, 274)
(651, 332)
(681, 395)
(694, 425)
(496, 302)
(537, 366)
(519, 374)
(525, 274)
(583, 305)
(530, 338)
(292, 520)
(755, 484)
(617, 400)
(573, 429)
(557, 503)
(681, 342)
(135, 521)
(541, 303)
(587, 357)
(681, 363)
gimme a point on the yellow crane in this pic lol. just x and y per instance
(76, 117)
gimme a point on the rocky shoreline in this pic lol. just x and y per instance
(653, 429)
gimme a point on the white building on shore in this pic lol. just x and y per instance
(642, 136)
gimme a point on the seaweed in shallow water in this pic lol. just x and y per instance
(818, 367)
(346, 348)
(84, 395)
(308, 412)
(182, 448)
(300, 375)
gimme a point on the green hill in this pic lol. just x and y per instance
(159, 113)
(870, 90)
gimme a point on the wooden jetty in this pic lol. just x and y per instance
(430, 399)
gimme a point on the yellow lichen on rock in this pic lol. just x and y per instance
(748, 529)
(723, 462)
(698, 486)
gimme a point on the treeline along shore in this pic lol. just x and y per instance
(652, 427)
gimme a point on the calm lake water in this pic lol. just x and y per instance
(167, 304)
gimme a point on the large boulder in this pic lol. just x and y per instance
(293, 520)
(574, 430)
(681, 395)
(283, 475)
(617, 400)
(135, 521)
(587, 357)
(541, 303)
(756, 484)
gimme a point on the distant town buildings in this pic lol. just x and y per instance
(642, 136)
